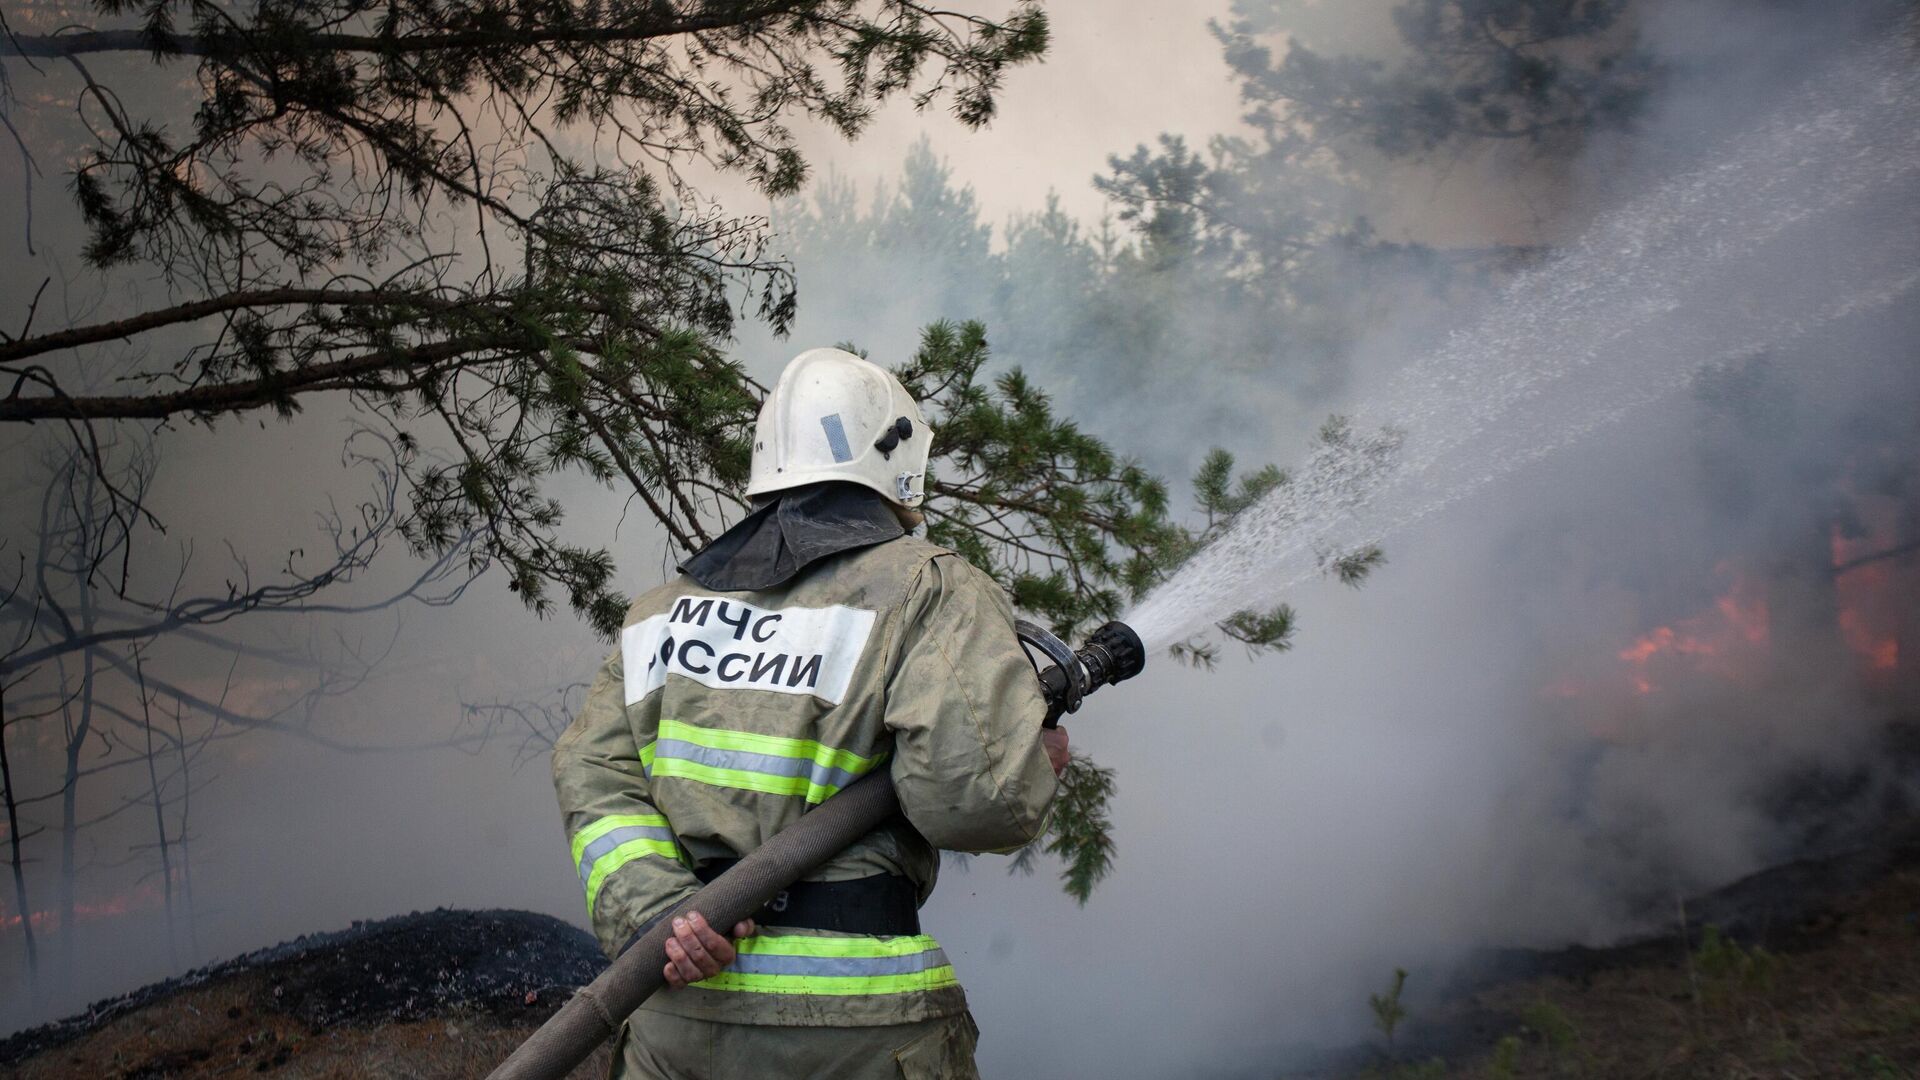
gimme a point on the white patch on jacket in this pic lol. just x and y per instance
(728, 645)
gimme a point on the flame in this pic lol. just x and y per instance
(1871, 600)
(1715, 641)
(1732, 637)
(143, 897)
(1862, 591)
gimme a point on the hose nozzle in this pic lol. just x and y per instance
(1112, 654)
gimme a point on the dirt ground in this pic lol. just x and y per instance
(433, 994)
(1836, 996)
(1816, 978)
(231, 1029)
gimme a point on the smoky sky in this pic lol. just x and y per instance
(1452, 757)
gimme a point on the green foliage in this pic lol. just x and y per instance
(468, 220)
(1080, 831)
(1337, 446)
(1271, 629)
(1387, 1010)
(1535, 71)
(1072, 530)
(1353, 567)
(1506, 1058)
(1281, 220)
(1069, 528)
(471, 221)
(1220, 497)
(1554, 1027)
(1731, 972)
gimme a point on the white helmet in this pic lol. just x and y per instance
(834, 416)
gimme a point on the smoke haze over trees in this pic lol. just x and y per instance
(1242, 286)
(466, 232)
(1640, 669)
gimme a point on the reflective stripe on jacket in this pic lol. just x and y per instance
(722, 717)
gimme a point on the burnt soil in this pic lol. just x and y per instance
(440, 993)
(1818, 976)
(1806, 970)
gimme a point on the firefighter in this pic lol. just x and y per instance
(810, 644)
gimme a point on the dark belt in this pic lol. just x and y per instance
(885, 905)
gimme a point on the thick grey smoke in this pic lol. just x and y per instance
(1588, 683)
(1655, 295)
(1461, 754)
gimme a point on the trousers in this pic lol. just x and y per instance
(660, 1046)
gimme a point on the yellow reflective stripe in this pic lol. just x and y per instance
(835, 966)
(931, 979)
(809, 945)
(646, 757)
(744, 780)
(621, 856)
(609, 823)
(775, 745)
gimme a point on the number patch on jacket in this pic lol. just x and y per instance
(726, 645)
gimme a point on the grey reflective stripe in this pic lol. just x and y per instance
(593, 852)
(836, 437)
(748, 761)
(759, 963)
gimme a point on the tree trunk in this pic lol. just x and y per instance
(186, 852)
(159, 809)
(13, 834)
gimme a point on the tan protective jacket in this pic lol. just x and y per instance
(722, 717)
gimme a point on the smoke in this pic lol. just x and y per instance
(1653, 296)
(1484, 769)
(1606, 667)
(1456, 756)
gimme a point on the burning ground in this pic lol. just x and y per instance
(443, 993)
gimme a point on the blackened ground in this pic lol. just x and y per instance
(489, 969)
(504, 963)
(1808, 969)
(1813, 971)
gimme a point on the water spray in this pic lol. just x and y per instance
(1655, 293)
(1111, 654)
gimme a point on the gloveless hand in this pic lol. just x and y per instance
(1055, 740)
(696, 951)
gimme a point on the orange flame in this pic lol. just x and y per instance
(145, 896)
(1870, 601)
(1862, 590)
(1714, 641)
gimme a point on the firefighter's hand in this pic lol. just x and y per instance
(696, 952)
(1055, 740)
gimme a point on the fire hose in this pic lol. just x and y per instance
(1111, 654)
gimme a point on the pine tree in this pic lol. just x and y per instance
(472, 221)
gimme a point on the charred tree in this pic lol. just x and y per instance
(17, 834)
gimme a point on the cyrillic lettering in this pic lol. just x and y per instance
(686, 611)
(740, 627)
(808, 669)
(770, 666)
(687, 648)
(721, 667)
(761, 624)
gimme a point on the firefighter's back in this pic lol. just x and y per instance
(808, 646)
